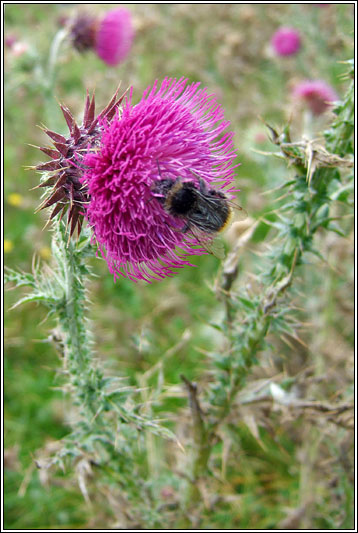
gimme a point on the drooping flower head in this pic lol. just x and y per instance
(110, 36)
(65, 170)
(176, 130)
(83, 31)
(316, 94)
(286, 41)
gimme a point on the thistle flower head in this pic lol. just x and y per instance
(114, 36)
(82, 31)
(175, 130)
(65, 169)
(316, 94)
(286, 41)
(109, 36)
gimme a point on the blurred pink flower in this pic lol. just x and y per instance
(175, 130)
(10, 40)
(114, 36)
(260, 137)
(317, 94)
(286, 41)
(110, 37)
(19, 48)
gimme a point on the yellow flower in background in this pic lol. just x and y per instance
(45, 252)
(8, 246)
(15, 199)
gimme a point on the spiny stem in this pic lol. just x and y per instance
(201, 452)
(201, 442)
(77, 338)
(296, 235)
(74, 293)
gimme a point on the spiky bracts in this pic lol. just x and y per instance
(82, 32)
(64, 170)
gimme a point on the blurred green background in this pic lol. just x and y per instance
(276, 462)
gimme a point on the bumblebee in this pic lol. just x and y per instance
(205, 211)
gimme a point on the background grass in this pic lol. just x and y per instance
(271, 463)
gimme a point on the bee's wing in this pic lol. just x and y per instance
(238, 212)
(210, 243)
(215, 247)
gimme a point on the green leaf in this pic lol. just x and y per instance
(48, 300)
(19, 278)
(247, 303)
(333, 226)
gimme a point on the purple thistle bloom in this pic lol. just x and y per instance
(286, 41)
(110, 36)
(317, 94)
(176, 130)
(83, 32)
(114, 36)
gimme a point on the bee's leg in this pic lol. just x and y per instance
(158, 168)
(202, 186)
(185, 228)
(153, 195)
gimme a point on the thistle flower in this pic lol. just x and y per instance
(64, 171)
(175, 130)
(83, 32)
(286, 41)
(110, 36)
(114, 36)
(317, 94)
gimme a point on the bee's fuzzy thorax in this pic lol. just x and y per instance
(180, 199)
(172, 192)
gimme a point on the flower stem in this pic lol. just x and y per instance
(54, 50)
(48, 85)
(307, 212)
(84, 377)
